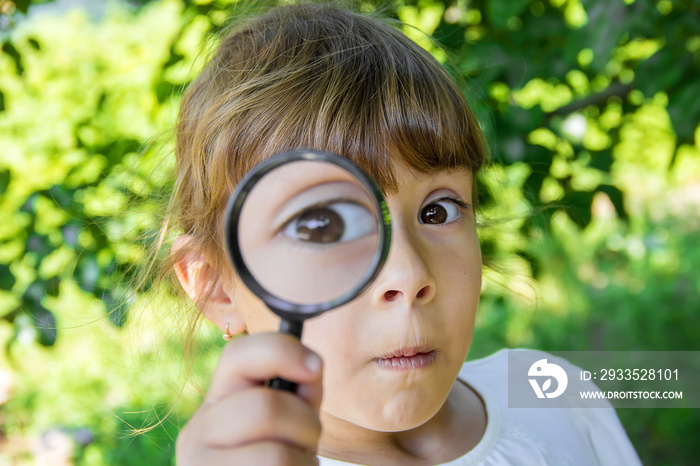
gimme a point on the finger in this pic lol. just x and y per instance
(258, 453)
(312, 393)
(251, 360)
(260, 414)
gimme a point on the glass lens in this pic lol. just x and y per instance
(308, 232)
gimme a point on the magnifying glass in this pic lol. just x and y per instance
(307, 231)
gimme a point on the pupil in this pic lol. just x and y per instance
(320, 225)
(434, 214)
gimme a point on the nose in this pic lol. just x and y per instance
(406, 278)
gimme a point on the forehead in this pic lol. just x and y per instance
(408, 178)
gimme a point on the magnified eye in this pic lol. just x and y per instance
(439, 212)
(332, 223)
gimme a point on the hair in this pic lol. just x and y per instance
(313, 76)
(304, 76)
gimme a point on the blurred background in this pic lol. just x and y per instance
(590, 210)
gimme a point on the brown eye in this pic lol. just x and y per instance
(320, 225)
(434, 213)
(439, 212)
(336, 222)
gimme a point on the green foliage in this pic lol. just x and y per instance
(78, 110)
(588, 218)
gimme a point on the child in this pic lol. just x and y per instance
(382, 379)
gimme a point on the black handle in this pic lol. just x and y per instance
(281, 384)
(290, 327)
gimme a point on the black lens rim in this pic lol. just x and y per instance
(285, 309)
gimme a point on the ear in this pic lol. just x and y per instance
(210, 293)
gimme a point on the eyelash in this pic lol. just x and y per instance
(454, 200)
(461, 205)
(298, 212)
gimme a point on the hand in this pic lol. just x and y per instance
(243, 422)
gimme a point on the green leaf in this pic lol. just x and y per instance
(684, 109)
(11, 51)
(4, 181)
(45, 325)
(88, 273)
(22, 5)
(578, 206)
(7, 279)
(616, 197)
(449, 35)
(37, 321)
(39, 244)
(117, 306)
(500, 11)
(603, 31)
(660, 72)
(62, 196)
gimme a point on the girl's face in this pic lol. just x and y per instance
(392, 355)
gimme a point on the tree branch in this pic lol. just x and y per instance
(617, 89)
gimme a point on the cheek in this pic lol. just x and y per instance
(458, 268)
(332, 334)
(458, 279)
(258, 318)
(339, 336)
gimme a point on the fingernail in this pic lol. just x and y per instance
(312, 362)
(304, 391)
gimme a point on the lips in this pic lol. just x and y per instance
(406, 359)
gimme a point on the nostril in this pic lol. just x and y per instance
(391, 294)
(423, 292)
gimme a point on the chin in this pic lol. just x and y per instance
(397, 415)
(402, 422)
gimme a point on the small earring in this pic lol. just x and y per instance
(227, 335)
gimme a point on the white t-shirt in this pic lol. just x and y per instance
(530, 436)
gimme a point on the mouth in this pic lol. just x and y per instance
(406, 359)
